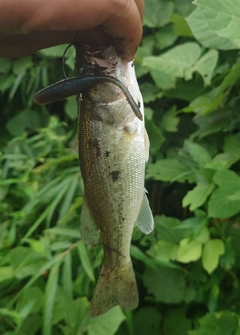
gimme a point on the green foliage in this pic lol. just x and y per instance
(188, 69)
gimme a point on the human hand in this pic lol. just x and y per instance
(30, 25)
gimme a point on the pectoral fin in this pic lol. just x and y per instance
(145, 220)
(146, 145)
(88, 229)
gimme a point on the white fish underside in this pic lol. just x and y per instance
(113, 148)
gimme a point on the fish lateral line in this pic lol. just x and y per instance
(72, 86)
(110, 248)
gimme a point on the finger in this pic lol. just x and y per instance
(17, 46)
(125, 26)
(121, 19)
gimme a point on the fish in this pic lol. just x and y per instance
(113, 149)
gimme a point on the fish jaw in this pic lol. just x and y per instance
(112, 151)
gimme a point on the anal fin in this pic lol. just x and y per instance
(88, 229)
(145, 220)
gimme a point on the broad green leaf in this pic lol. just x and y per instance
(198, 104)
(223, 18)
(22, 65)
(71, 108)
(85, 260)
(205, 66)
(68, 198)
(163, 80)
(156, 137)
(68, 290)
(231, 143)
(148, 113)
(49, 299)
(163, 251)
(165, 37)
(21, 256)
(39, 270)
(146, 321)
(205, 35)
(151, 262)
(5, 65)
(212, 250)
(34, 294)
(161, 14)
(56, 51)
(61, 245)
(218, 94)
(228, 259)
(167, 285)
(31, 325)
(167, 170)
(73, 233)
(181, 26)
(209, 124)
(195, 227)
(203, 236)
(184, 90)
(196, 197)
(15, 316)
(218, 323)
(27, 308)
(176, 322)
(175, 61)
(224, 161)
(36, 245)
(6, 273)
(198, 153)
(234, 196)
(81, 311)
(67, 276)
(145, 49)
(106, 324)
(27, 119)
(189, 251)
(221, 206)
(57, 199)
(169, 229)
(184, 8)
(227, 180)
(150, 92)
(229, 79)
(170, 120)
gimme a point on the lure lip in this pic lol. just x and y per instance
(79, 84)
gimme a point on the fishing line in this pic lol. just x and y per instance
(63, 60)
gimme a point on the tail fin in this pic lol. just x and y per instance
(116, 287)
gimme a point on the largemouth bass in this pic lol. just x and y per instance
(113, 149)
